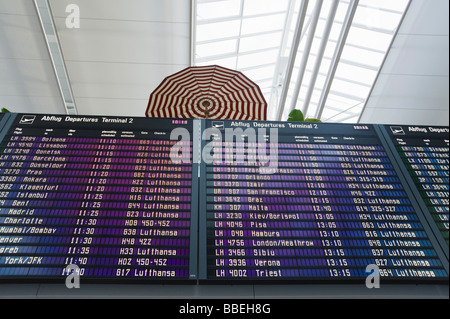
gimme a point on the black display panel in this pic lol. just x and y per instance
(424, 151)
(99, 193)
(308, 202)
(270, 202)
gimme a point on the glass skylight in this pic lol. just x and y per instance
(257, 37)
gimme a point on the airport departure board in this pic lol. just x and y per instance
(98, 193)
(424, 151)
(128, 199)
(318, 202)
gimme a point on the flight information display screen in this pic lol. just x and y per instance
(424, 151)
(98, 193)
(299, 201)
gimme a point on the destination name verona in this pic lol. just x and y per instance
(47, 165)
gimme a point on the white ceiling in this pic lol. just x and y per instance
(124, 49)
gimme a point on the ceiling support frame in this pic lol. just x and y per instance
(337, 56)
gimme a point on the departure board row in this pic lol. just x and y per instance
(168, 200)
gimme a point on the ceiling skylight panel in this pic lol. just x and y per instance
(349, 115)
(229, 62)
(337, 102)
(355, 73)
(397, 6)
(260, 74)
(351, 87)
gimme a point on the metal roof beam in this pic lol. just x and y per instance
(234, 54)
(239, 17)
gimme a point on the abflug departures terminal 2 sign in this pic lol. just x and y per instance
(240, 201)
(334, 204)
